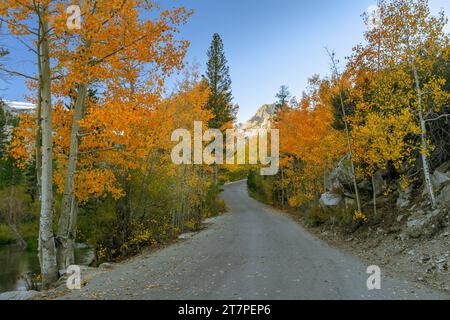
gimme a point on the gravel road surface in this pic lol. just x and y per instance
(252, 252)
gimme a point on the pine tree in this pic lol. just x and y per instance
(219, 81)
(283, 97)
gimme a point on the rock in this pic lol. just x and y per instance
(404, 198)
(88, 258)
(20, 295)
(330, 200)
(444, 197)
(185, 236)
(210, 220)
(332, 183)
(424, 225)
(81, 246)
(343, 173)
(378, 184)
(106, 265)
(440, 179)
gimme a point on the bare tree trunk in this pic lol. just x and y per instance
(374, 196)
(65, 239)
(216, 187)
(347, 131)
(184, 189)
(423, 139)
(47, 250)
(38, 142)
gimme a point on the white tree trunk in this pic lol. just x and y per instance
(423, 140)
(47, 251)
(38, 141)
(67, 221)
(347, 129)
(374, 193)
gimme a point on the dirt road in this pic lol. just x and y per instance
(252, 252)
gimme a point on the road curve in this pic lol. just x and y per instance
(252, 252)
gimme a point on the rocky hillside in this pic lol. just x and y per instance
(411, 204)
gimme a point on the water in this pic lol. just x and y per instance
(15, 261)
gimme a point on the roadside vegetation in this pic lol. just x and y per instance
(372, 138)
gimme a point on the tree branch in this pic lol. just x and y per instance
(15, 73)
(437, 118)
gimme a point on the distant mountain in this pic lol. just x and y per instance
(261, 120)
(17, 107)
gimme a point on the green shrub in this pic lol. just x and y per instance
(6, 235)
(316, 216)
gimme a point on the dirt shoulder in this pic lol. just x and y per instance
(424, 261)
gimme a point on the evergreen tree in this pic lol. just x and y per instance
(219, 81)
(283, 97)
(9, 173)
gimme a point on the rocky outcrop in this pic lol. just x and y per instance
(343, 174)
(422, 223)
(441, 176)
(443, 198)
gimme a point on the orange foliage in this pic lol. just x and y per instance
(308, 142)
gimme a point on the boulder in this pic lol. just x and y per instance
(106, 265)
(378, 183)
(330, 200)
(440, 179)
(421, 224)
(443, 198)
(404, 198)
(343, 173)
(332, 183)
(20, 295)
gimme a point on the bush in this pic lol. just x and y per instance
(6, 235)
(316, 216)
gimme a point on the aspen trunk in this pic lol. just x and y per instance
(374, 193)
(47, 250)
(216, 187)
(67, 222)
(347, 130)
(423, 140)
(350, 149)
(38, 141)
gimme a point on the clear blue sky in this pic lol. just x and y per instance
(267, 42)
